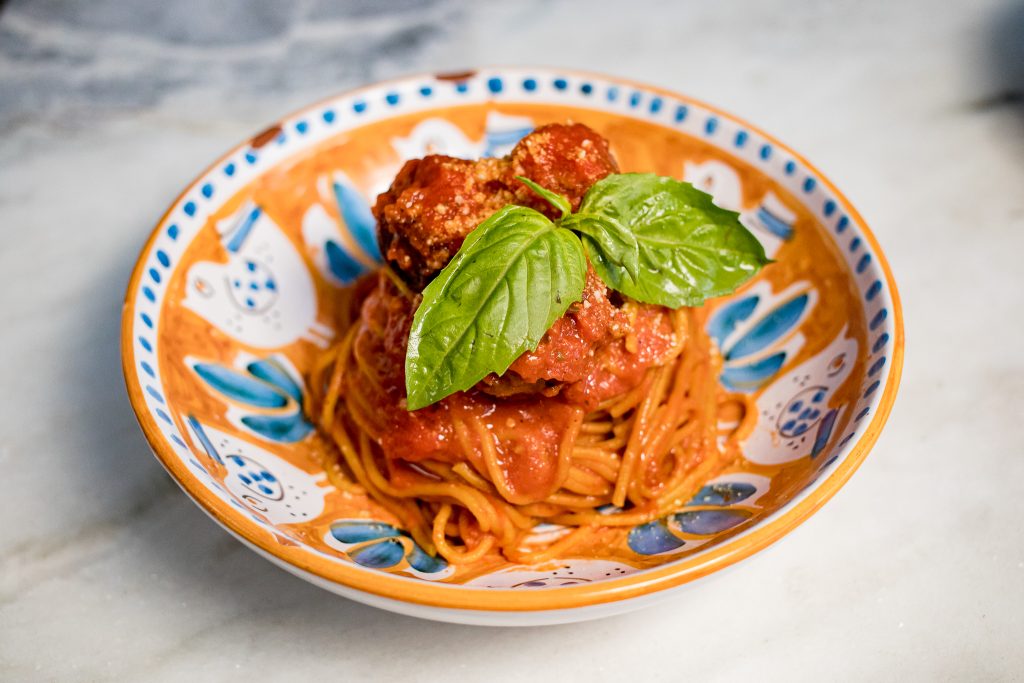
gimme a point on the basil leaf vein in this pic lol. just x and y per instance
(611, 242)
(514, 275)
(688, 249)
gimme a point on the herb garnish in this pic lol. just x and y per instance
(652, 238)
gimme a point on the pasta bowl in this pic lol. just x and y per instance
(236, 294)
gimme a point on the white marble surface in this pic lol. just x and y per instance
(914, 572)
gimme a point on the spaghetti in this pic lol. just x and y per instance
(613, 420)
(634, 458)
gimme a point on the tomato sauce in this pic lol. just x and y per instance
(596, 351)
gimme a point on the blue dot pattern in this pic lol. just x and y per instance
(803, 412)
(878, 319)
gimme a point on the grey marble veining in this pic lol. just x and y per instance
(915, 571)
(71, 60)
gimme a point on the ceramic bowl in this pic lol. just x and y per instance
(234, 295)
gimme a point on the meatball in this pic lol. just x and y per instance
(431, 207)
(436, 201)
(566, 159)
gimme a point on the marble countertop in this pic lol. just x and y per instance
(915, 571)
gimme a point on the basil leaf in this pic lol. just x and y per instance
(556, 200)
(689, 249)
(515, 274)
(608, 241)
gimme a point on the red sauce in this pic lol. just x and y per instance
(598, 350)
(582, 361)
(585, 351)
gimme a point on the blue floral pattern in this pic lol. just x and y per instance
(355, 212)
(503, 132)
(758, 331)
(269, 393)
(721, 505)
(260, 293)
(798, 410)
(379, 545)
(342, 209)
(266, 485)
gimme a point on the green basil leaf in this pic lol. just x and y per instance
(689, 249)
(515, 274)
(556, 200)
(607, 242)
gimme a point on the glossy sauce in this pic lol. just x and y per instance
(582, 361)
(599, 349)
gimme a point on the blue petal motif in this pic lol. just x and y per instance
(271, 372)
(239, 387)
(422, 562)
(774, 224)
(283, 429)
(381, 555)
(824, 432)
(268, 385)
(497, 140)
(653, 538)
(358, 218)
(752, 375)
(769, 329)
(204, 439)
(343, 266)
(352, 531)
(235, 238)
(383, 548)
(707, 522)
(725, 493)
(729, 316)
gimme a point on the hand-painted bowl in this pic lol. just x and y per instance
(234, 296)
